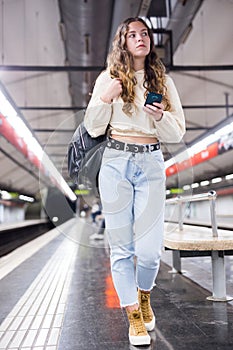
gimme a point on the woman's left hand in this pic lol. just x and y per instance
(155, 110)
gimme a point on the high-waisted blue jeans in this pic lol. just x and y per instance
(132, 189)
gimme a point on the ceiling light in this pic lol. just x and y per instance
(229, 177)
(204, 183)
(5, 195)
(216, 180)
(195, 185)
(26, 198)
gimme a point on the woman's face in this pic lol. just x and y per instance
(138, 40)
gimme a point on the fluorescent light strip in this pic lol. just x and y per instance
(23, 131)
(6, 109)
(199, 146)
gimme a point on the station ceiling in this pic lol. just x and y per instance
(51, 52)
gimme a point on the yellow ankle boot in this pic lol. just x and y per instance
(137, 331)
(147, 313)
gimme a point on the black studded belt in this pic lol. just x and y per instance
(131, 147)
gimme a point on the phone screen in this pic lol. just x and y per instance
(153, 97)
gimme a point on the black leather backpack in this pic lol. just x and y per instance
(84, 158)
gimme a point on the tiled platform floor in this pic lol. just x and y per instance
(62, 298)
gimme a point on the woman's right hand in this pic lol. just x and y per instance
(113, 91)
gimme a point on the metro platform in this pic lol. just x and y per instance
(57, 294)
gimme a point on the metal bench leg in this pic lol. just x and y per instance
(218, 277)
(176, 262)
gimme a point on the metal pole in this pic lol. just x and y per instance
(212, 195)
(227, 104)
(195, 198)
(180, 206)
(218, 277)
(31, 68)
(213, 218)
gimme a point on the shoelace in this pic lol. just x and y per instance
(145, 306)
(137, 322)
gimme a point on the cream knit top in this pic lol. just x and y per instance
(99, 115)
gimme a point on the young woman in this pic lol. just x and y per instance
(132, 174)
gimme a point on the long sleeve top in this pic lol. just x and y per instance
(100, 115)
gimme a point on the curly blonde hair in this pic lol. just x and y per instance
(121, 65)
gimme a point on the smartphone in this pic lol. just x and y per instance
(153, 97)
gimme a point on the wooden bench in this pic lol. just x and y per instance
(190, 241)
(199, 241)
